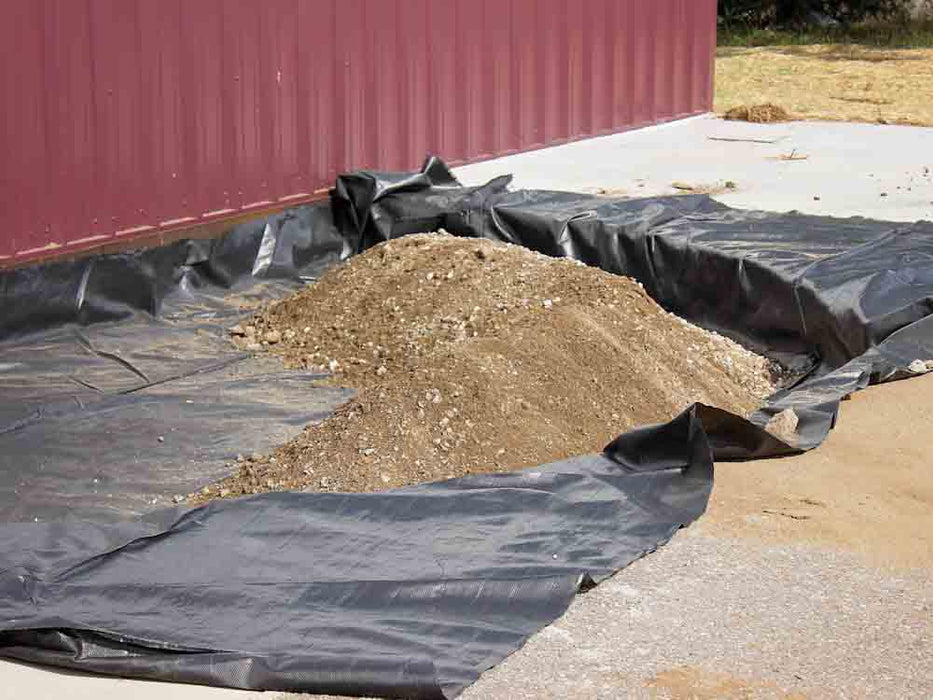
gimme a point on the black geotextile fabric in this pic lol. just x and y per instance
(413, 592)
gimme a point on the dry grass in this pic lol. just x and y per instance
(844, 82)
(710, 188)
(759, 114)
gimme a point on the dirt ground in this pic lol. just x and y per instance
(834, 82)
(867, 490)
(687, 683)
(476, 356)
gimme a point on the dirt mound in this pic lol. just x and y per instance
(759, 114)
(472, 356)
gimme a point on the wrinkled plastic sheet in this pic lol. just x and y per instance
(120, 386)
(410, 593)
(413, 592)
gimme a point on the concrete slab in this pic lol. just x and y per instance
(773, 613)
(718, 618)
(883, 172)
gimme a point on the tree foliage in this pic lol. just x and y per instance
(767, 13)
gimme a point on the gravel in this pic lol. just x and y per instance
(472, 356)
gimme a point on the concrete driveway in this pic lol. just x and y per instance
(809, 577)
(828, 168)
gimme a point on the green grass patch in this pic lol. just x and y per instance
(899, 35)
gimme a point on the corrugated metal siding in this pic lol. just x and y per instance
(121, 117)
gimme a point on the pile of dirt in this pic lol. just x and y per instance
(759, 114)
(473, 356)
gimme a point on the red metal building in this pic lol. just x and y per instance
(121, 118)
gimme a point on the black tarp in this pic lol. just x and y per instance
(119, 386)
(413, 592)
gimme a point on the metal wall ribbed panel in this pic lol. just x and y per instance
(125, 117)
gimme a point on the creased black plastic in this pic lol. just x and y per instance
(413, 592)
(119, 386)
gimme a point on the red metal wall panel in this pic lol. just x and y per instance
(124, 117)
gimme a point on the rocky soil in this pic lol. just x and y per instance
(472, 356)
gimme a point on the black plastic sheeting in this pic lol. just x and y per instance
(413, 592)
(120, 387)
(410, 593)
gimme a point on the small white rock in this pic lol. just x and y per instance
(919, 367)
(784, 425)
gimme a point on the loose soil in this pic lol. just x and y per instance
(693, 683)
(868, 489)
(473, 356)
(839, 82)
